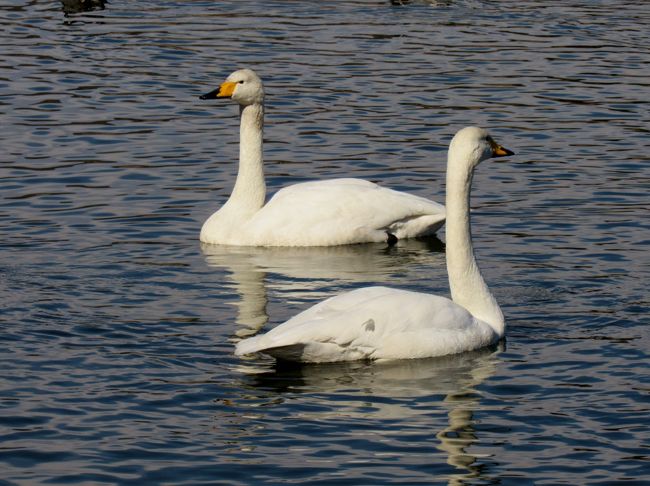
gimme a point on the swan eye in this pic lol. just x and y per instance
(241, 82)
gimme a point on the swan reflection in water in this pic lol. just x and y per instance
(409, 396)
(308, 274)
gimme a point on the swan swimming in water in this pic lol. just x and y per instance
(318, 213)
(381, 323)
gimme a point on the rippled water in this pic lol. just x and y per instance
(117, 327)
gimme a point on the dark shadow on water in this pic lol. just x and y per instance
(78, 6)
(401, 3)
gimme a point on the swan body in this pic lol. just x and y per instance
(330, 212)
(381, 323)
(374, 323)
(318, 213)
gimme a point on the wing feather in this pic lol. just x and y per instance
(373, 323)
(341, 211)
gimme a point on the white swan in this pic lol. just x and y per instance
(319, 213)
(380, 323)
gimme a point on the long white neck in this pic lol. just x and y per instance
(249, 192)
(468, 289)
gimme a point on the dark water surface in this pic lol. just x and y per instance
(117, 328)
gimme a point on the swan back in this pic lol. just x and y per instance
(375, 323)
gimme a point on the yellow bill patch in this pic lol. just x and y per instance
(498, 150)
(226, 89)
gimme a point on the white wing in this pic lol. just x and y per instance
(343, 211)
(374, 323)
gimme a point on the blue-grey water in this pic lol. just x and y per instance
(117, 327)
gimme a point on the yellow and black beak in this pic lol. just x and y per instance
(499, 151)
(225, 90)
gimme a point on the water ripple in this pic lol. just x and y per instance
(118, 327)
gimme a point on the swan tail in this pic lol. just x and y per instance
(293, 352)
(311, 352)
(413, 227)
(249, 345)
(260, 344)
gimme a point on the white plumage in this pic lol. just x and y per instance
(318, 213)
(381, 323)
(374, 323)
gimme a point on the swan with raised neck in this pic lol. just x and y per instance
(468, 148)
(249, 193)
(317, 213)
(381, 323)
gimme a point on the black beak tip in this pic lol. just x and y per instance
(211, 95)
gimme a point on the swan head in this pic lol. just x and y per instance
(243, 86)
(475, 145)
